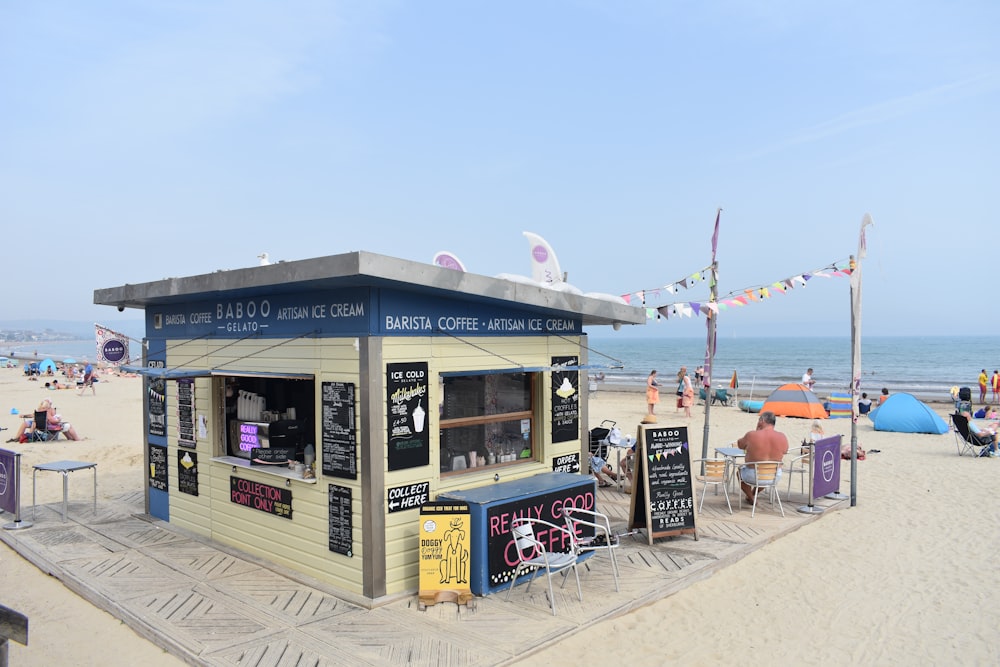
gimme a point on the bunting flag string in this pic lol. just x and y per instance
(735, 299)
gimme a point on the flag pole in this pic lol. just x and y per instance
(710, 325)
(856, 351)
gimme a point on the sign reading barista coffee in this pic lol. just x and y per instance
(406, 391)
(565, 401)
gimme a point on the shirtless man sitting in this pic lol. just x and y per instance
(763, 444)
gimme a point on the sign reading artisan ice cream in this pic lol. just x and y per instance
(406, 391)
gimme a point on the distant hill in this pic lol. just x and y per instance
(79, 330)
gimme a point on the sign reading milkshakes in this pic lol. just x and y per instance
(406, 392)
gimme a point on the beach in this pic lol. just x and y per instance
(902, 577)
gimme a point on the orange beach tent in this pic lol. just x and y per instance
(794, 400)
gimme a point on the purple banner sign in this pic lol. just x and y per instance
(8, 481)
(826, 466)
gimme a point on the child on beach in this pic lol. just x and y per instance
(816, 431)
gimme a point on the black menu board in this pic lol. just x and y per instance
(185, 413)
(339, 436)
(158, 467)
(341, 528)
(662, 497)
(156, 393)
(187, 472)
(406, 396)
(565, 400)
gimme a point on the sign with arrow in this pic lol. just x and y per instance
(409, 497)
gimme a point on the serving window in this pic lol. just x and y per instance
(487, 420)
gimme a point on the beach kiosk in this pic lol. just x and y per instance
(304, 411)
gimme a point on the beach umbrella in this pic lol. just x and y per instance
(794, 400)
(46, 365)
(69, 360)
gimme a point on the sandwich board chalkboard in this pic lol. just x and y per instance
(662, 495)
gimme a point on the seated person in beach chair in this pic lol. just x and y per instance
(600, 468)
(981, 437)
(720, 396)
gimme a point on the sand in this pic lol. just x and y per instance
(903, 577)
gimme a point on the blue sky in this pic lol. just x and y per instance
(141, 140)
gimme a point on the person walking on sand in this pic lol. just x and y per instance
(983, 379)
(680, 387)
(687, 397)
(88, 379)
(652, 391)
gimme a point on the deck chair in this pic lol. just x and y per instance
(591, 532)
(767, 481)
(531, 554)
(965, 440)
(720, 396)
(40, 431)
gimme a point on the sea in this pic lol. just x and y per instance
(927, 367)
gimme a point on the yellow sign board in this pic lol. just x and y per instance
(445, 555)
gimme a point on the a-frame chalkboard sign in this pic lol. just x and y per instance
(662, 495)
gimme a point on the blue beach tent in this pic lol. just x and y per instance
(904, 413)
(47, 365)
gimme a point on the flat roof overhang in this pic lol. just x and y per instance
(365, 269)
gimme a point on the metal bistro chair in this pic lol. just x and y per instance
(716, 474)
(581, 523)
(766, 480)
(531, 553)
(801, 465)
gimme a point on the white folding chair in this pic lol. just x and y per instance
(580, 521)
(532, 554)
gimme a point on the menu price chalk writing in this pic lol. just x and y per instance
(341, 528)
(187, 472)
(565, 400)
(339, 441)
(157, 467)
(406, 396)
(663, 498)
(185, 413)
(264, 497)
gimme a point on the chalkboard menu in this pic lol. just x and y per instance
(662, 497)
(339, 436)
(341, 528)
(156, 392)
(406, 392)
(157, 467)
(187, 472)
(185, 413)
(565, 400)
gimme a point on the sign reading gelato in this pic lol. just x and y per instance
(406, 391)
(565, 400)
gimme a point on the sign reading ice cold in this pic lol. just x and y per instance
(406, 396)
